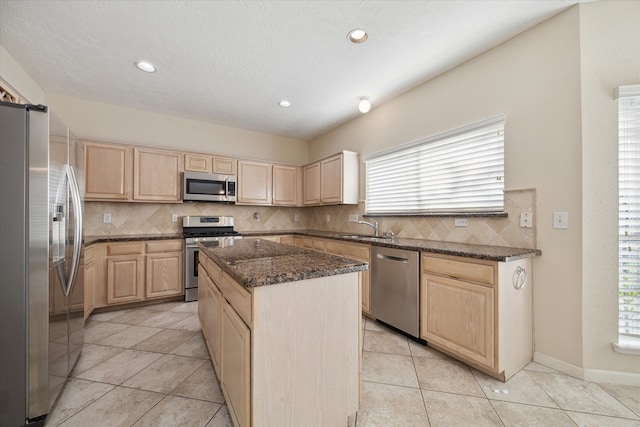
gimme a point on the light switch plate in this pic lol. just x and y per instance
(296, 218)
(328, 218)
(560, 220)
(106, 217)
(174, 217)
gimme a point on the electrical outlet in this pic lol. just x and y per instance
(353, 217)
(461, 222)
(106, 217)
(526, 220)
(174, 217)
(560, 220)
(328, 218)
(296, 218)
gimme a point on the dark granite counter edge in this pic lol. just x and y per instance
(468, 250)
(89, 240)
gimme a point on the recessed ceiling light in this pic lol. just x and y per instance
(284, 103)
(145, 66)
(357, 36)
(364, 106)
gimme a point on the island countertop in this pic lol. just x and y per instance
(257, 262)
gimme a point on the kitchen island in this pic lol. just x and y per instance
(283, 328)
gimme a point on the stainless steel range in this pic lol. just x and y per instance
(216, 229)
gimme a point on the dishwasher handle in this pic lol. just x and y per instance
(393, 258)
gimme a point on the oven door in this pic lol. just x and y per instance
(191, 272)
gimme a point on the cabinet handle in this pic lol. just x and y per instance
(393, 258)
(519, 278)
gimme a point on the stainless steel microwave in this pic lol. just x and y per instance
(209, 187)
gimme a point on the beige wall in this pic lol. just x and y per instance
(95, 120)
(15, 75)
(534, 79)
(610, 58)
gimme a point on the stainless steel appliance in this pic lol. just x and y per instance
(41, 309)
(209, 187)
(395, 288)
(215, 229)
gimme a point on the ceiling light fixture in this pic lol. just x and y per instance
(145, 66)
(357, 36)
(364, 106)
(284, 103)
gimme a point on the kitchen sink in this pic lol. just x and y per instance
(361, 237)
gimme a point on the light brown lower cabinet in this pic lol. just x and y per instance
(289, 354)
(476, 311)
(89, 274)
(134, 271)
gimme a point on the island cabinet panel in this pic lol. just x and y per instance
(362, 253)
(107, 171)
(210, 313)
(235, 366)
(156, 175)
(476, 311)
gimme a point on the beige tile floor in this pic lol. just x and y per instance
(149, 367)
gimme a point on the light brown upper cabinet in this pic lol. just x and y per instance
(205, 163)
(286, 185)
(156, 175)
(107, 171)
(333, 180)
(254, 183)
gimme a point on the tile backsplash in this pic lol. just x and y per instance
(155, 218)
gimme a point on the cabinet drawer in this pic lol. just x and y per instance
(344, 249)
(238, 297)
(474, 270)
(164, 246)
(129, 248)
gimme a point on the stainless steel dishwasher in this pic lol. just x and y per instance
(395, 288)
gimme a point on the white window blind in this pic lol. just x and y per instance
(459, 171)
(629, 209)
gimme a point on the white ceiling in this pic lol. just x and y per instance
(230, 62)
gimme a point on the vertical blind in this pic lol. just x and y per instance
(459, 171)
(629, 209)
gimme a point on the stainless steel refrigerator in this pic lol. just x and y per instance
(41, 314)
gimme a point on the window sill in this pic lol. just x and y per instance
(439, 215)
(627, 345)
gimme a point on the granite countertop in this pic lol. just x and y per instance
(257, 262)
(486, 252)
(89, 240)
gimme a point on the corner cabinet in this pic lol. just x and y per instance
(478, 311)
(287, 186)
(333, 180)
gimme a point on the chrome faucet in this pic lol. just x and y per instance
(373, 225)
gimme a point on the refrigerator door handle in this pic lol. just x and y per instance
(77, 228)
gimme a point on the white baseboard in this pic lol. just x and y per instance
(595, 375)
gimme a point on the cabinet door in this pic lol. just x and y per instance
(459, 316)
(197, 163)
(156, 175)
(164, 275)
(235, 363)
(214, 320)
(125, 278)
(254, 183)
(285, 185)
(89, 287)
(331, 175)
(311, 182)
(225, 165)
(107, 171)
